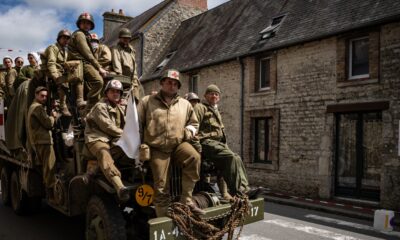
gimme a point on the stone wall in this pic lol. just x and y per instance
(305, 79)
(158, 35)
(309, 78)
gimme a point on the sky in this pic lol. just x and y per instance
(32, 25)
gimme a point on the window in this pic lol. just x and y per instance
(193, 81)
(271, 29)
(262, 140)
(264, 79)
(358, 58)
(165, 61)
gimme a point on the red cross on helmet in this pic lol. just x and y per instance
(85, 16)
(172, 74)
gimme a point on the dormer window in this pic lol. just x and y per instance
(165, 61)
(271, 30)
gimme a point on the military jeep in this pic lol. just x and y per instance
(81, 189)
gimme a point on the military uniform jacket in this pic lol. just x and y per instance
(104, 123)
(162, 126)
(27, 72)
(103, 56)
(80, 49)
(39, 125)
(211, 126)
(53, 59)
(7, 80)
(123, 61)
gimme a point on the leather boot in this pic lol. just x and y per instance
(80, 101)
(122, 191)
(223, 189)
(63, 102)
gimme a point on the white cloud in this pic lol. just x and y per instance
(131, 7)
(25, 30)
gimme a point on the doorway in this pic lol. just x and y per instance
(358, 155)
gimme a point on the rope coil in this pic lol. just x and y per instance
(195, 228)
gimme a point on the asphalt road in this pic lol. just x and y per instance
(280, 222)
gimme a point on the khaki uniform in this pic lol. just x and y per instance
(124, 63)
(103, 56)
(104, 124)
(53, 60)
(39, 126)
(214, 148)
(18, 69)
(162, 127)
(26, 73)
(7, 80)
(80, 49)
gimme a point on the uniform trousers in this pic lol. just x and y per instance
(184, 156)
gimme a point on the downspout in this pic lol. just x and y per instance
(141, 39)
(240, 59)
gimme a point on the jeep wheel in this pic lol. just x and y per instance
(18, 196)
(104, 220)
(5, 186)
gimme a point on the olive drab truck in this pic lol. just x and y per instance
(81, 188)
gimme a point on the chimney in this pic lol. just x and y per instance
(112, 21)
(199, 4)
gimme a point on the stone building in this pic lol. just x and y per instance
(310, 96)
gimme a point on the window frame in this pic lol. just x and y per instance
(267, 138)
(350, 59)
(194, 85)
(259, 87)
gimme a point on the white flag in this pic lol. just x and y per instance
(130, 139)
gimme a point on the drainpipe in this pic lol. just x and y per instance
(241, 106)
(141, 39)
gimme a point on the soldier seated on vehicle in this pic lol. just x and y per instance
(53, 59)
(167, 124)
(101, 52)
(193, 98)
(39, 126)
(214, 148)
(27, 72)
(80, 49)
(104, 124)
(7, 79)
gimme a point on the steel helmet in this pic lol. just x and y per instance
(85, 16)
(192, 96)
(114, 84)
(94, 37)
(125, 33)
(172, 74)
(63, 33)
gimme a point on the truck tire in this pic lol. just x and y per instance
(18, 196)
(104, 220)
(5, 185)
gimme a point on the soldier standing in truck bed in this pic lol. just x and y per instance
(124, 63)
(39, 126)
